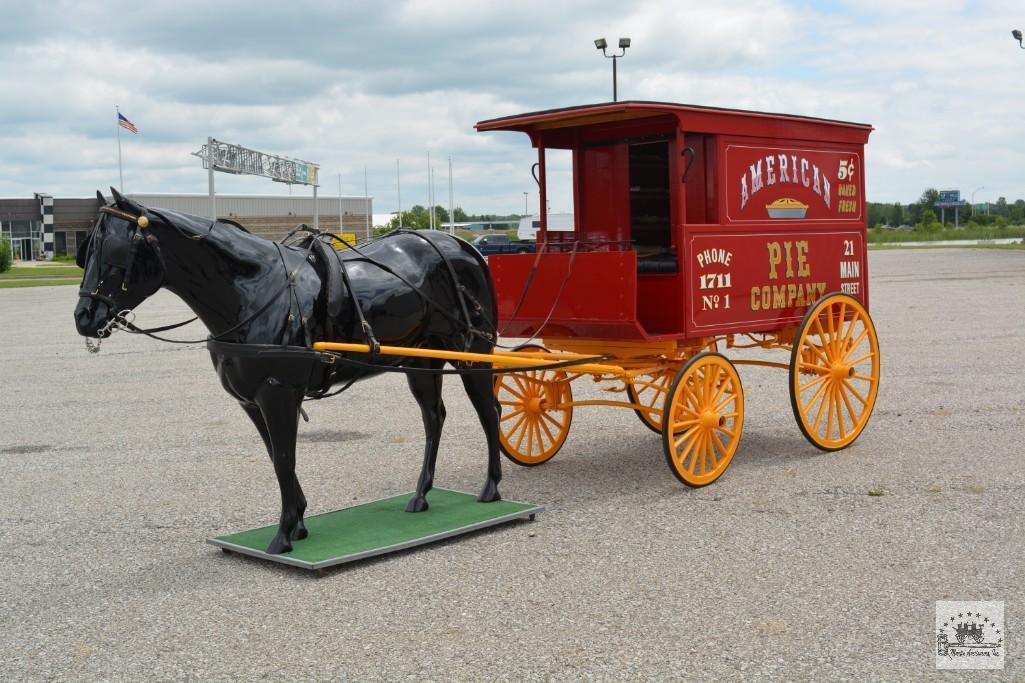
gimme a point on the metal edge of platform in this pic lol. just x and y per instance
(384, 550)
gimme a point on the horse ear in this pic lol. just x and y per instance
(118, 199)
(100, 198)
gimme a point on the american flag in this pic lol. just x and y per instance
(126, 124)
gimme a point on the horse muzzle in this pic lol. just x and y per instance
(91, 316)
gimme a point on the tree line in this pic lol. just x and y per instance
(419, 217)
(923, 214)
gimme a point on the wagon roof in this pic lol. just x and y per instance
(607, 112)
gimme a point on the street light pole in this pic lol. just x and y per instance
(601, 44)
(526, 211)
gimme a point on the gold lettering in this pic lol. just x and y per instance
(775, 258)
(803, 269)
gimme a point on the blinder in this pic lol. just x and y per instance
(116, 249)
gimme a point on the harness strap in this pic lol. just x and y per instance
(455, 284)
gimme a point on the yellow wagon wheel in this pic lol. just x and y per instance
(650, 391)
(535, 416)
(834, 372)
(703, 419)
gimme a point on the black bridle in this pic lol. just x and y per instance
(117, 251)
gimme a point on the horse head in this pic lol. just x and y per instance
(122, 263)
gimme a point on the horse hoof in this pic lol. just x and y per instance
(300, 533)
(279, 545)
(490, 494)
(416, 504)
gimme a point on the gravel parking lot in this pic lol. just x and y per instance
(117, 467)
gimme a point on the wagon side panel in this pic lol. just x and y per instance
(792, 229)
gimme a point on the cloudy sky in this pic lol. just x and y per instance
(354, 84)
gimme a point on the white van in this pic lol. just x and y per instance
(557, 222)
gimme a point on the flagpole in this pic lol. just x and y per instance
(117, 128)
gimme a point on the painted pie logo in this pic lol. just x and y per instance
(785, 207)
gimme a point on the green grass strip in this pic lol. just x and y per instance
(43, 271)
(14, 284)
(885, 247)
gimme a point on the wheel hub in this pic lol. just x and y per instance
(710, 419)
(534, 405)
(840, 371)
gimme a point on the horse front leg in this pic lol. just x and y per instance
(279, 407)
(427, 392)
(480, 389)
(254, 413)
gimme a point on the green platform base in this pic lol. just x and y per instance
(380, 527)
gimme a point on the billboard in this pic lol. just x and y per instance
(949, 198)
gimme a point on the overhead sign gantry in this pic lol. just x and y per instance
(237, 160)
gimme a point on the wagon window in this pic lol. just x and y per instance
(649, 196)
(650, 221)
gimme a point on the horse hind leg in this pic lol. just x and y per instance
(279, 406)
(426, 390)
(480, 389)
(253, 411)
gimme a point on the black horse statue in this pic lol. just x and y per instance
(265, 303)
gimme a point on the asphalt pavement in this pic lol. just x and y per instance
(118, 466)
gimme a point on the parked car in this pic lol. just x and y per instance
(501, 244)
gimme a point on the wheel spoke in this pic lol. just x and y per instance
(518, 411)
(839, 326)
(850, 329)
(822, 406)
(690, 432)
(863, 377)
(726, 402)
(810, 404)
(699, 440)
(722, 446)
(832, 332)
(516, 425)
(817, 368)
(552, 420)
(523, 433)
(541, 448)
(682, 457)
(824, 341)
(864, 401)
(847, 402)
(841, 429)
(718, 392)
(547, 430)
(522, 385)
(856, 344)
(870, 354)
(818, 351)
(829, 412)
(812, 383)
(506, 386)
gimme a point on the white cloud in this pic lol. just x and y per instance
(357, 85)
